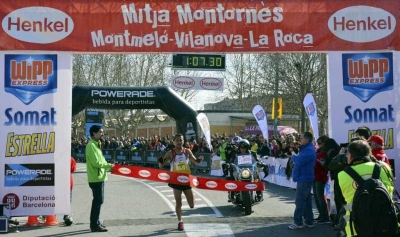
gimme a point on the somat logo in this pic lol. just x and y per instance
(362, 24)
(367, 74)
(41, 25)
(28, 76)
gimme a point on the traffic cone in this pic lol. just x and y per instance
(50, 221)
(32, 221)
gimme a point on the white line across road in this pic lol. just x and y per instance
(201, 230)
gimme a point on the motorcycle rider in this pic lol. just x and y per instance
(244, 149)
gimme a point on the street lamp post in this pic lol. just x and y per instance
(276, 94)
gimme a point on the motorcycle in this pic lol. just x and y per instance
(245, 169)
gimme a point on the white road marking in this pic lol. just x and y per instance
(184, 199)
(209, 203)
(196, 206)
(166, 191)
(162, 186)
(171, 205)
(202, 229)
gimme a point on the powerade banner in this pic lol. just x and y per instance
(34, 140)
(163, 98)
(362, 92)
(199, 26)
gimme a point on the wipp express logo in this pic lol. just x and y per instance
(367, 74)
(28, 76)
(41, 25)
(362, 24)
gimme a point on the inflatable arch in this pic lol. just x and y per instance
(163, 98)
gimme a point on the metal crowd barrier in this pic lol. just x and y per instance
(140, 157)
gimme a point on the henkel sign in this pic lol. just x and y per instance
(197, 83)
(349, 25)
(41, 25)
(199, 26)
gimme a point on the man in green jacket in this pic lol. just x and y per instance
(96, 171)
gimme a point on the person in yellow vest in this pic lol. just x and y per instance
(359, 158)
(179, 158)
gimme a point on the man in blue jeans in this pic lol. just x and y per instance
(303, 174)
(96, 171)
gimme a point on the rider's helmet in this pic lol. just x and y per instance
(244, 143)
(236, 140)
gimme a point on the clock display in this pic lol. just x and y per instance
(198, 62)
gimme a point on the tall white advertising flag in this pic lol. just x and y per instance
(205, 127)
(311, 109)
(261, 118)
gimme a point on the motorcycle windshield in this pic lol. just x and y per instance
(245, 161)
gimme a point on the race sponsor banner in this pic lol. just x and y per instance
(205, 127)
(186, 179)
(216, 166)
(363, 92)
(261, 118)
(35, 162)
(277, 174)
(197, 83)
(312, 113)
(199, 26)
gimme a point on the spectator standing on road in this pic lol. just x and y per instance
(303, 174)
(321, 178)
(179, 158)
(96, 166)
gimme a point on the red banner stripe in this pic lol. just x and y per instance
(165, 176)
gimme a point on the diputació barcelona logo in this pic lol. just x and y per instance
(28, 76)
(367, 74)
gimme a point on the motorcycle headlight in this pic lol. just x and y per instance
(245, 174)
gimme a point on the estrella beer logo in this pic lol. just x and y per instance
(310, 109)
(260, 115)
(367, 74)
(28, 76)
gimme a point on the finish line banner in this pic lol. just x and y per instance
(199, 26)
(185, 179)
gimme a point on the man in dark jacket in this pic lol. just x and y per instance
(303, 174)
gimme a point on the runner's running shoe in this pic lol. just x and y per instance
(180, 226)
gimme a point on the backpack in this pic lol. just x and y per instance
(373, 212)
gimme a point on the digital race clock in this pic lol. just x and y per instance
(210, 62)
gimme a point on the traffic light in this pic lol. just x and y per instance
(279, 108)
(273, 109)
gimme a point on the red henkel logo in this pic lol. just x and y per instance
(362, 24)
(183, 82)
(41, 25)
(211, 83)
